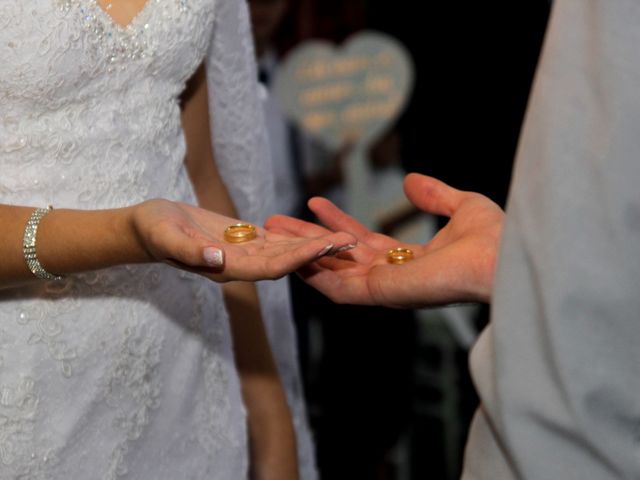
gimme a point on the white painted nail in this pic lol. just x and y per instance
(346, 248)
(214, 257)
(325, 250)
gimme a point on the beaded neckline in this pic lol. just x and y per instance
(137, 18)
(118, 43)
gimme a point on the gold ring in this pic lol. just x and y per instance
(240, 232)
(398, 256)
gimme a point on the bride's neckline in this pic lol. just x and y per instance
(103, 10)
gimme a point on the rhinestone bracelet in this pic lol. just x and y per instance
(29, 245)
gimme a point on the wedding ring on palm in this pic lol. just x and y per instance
(240, 233)
(398, 256)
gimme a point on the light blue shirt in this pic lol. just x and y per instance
(558, 369)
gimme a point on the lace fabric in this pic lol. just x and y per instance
(126, 372)
(242, 155)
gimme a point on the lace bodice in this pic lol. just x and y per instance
(94, 106)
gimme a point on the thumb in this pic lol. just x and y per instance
(192, 250)
(432, 195)
(335, 219)
(213, 256)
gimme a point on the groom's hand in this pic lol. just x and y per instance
(458, 264)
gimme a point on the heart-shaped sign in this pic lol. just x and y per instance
(349, 94)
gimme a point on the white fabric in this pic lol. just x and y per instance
(287, 184)
(242, 154)
(127, 372)
(558, 370)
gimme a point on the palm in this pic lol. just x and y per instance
(456, 265)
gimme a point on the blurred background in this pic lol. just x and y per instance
(388, 392)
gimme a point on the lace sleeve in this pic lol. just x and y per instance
(242, 154)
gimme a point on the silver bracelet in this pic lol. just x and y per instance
(29, 245)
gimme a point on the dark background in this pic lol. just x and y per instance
(475, 62)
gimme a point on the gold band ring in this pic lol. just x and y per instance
(398, 256)
(240, 233)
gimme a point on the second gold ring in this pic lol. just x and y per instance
(240, 232)
(398, 256)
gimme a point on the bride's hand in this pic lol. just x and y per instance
(192, 238)
(456, 265)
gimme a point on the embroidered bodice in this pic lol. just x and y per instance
(91, 105)
(125, 372)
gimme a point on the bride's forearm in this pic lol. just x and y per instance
(271, 432)
(68, 241)
(272, 438)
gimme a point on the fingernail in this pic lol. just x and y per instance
(346, 248)
(325, 250)
(214, 257)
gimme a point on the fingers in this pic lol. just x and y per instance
(315, 249)
(288, 225)
(274, 260)
(432, 195)
(288, 261)
(336, 219)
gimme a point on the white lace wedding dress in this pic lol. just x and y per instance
(125, 372)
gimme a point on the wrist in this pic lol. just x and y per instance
(125, 225)
(72, 241)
